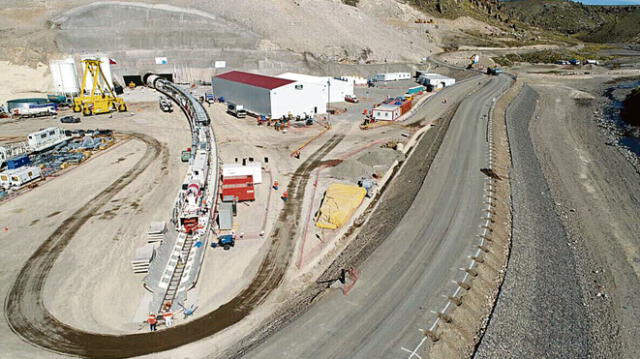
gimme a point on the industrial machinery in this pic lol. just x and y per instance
(100, 98)
(226, 241)
(475, 59)
(494, 71)
(165, 104)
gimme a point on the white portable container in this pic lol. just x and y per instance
(19, 177)
(252, 168)
(386, 112)
(65, 76)
(47, 138)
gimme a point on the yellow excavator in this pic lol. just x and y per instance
(100, 98)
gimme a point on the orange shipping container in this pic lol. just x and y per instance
(405, 107)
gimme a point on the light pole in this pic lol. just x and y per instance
(328, 100)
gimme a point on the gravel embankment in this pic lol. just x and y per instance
(540, 312)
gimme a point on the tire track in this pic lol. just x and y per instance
(28, 317)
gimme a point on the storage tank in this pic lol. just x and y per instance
(65, 77)
(105, 66)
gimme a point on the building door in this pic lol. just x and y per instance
(315, 109)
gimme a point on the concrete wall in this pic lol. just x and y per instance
(254, 99)
(287, 99)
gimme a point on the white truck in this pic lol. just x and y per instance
(236, 110)
(36, 111)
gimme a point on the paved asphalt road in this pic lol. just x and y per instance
(406, 277)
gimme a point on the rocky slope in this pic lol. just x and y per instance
(589, 23)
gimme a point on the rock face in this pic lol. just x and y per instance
(592, 23)
(631, 111)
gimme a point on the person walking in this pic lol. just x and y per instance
(153, 322)
(168, 318)
(285, 196)
(276, 185)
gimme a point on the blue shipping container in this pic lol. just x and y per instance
(18, 162)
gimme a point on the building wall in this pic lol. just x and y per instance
(339, 89)
(254, 99)
(287, 99)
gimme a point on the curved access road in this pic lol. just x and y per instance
(404, 279)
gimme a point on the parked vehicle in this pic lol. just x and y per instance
(70, 119)
(37, 111)
(236, 110)
(225, 241)
(351, 98)
(494, 71)
(562, 62)
(185, 156)
(592, 62)
(575, 62)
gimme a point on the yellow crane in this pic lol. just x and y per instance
(100, 98)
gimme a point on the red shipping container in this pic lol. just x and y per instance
(241, 187)
(405, 107)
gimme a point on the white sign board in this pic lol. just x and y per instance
(220, 64)
(161, 61)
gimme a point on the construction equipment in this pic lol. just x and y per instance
(494, 71)
(185, 156)
(475, 59)
(100, 98)
(165, 104)
(226, 241)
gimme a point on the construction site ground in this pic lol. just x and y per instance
(91, 285)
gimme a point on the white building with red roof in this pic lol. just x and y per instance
(271, 96)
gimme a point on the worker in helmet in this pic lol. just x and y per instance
(153, 322)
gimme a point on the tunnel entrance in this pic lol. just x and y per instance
(136, 79)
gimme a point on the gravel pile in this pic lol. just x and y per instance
(377, 160)
(540, 312)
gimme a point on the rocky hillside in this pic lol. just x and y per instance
(588, 23)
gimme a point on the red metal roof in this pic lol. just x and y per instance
(256, 80)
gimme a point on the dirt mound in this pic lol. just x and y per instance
(376, 161)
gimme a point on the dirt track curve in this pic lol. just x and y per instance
(28, 317)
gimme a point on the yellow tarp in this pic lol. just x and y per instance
(339, 204)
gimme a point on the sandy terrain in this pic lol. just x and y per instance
(114, 232)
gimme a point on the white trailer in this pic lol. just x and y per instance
(392, 76)
(45, 139)
(386, 112)
(436, 81)
(19, 177)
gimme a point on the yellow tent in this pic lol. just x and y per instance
(339, 204)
